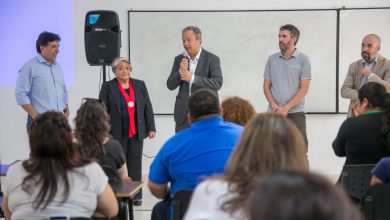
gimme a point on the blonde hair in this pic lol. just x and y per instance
(269, 143)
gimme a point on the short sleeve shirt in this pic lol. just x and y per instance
(286, 75)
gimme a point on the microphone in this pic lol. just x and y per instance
(186, 56)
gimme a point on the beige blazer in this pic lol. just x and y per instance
(352, 82)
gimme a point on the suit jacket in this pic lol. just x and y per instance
(352, 82)
(208, 74)
(111, 95)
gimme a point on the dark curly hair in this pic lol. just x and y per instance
(92, 127)
(237, 110)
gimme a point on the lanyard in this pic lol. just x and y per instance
(130, 100)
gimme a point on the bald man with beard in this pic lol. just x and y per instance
(371, 68)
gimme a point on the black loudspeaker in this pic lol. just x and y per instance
(102, 37)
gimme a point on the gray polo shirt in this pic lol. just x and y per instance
(286, 75)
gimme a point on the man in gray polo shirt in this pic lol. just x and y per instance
(287, 78)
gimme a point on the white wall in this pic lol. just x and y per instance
(321, 128)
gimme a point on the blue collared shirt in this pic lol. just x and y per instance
(41, 85)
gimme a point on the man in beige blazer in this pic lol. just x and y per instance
(372, 68)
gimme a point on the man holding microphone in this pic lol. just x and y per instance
(371, 68)
(194, 69)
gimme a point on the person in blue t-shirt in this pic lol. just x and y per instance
(381, 172)
(194, 153)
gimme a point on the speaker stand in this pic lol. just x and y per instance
(104, 73)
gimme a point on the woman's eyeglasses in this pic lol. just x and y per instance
(91, 99)
(84, 100)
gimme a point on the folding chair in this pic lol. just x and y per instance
(181, 200)
(376, 202)
(355, 179)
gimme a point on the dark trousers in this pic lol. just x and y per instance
(182, 126)
(132, 147)
(161, 211)
(299, 119)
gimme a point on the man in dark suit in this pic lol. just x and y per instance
(194, 69)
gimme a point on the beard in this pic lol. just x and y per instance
(284, 47)
(366, 57)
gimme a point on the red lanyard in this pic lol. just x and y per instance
(130, 102)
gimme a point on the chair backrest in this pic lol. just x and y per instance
(355, 179)
(1, 202)
(66, 217)
(110, 173)
(181, 200)
(376, 202)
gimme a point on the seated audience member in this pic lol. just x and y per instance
(381, 172)
(269, 143)
(194, 153)
(93, 140)
(365, 139)
(56, 181)
(237, 110)
(292, 195)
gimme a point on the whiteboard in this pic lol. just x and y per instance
(354, 25)
(243, 40)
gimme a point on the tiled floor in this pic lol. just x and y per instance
(144, 211)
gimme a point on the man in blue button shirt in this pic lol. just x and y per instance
(40, 85)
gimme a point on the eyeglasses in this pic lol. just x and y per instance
(50, 119)
(84, 100)
(91, 99)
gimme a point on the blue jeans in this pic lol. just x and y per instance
(29, 123)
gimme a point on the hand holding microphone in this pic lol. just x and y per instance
(185, 74)
(366, 71)
(185, 62)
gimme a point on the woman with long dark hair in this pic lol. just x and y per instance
(55, 181)
(365, 139)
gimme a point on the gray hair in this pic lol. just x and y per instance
(196, 30)
(117, 60)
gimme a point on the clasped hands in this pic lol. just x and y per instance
(185, 74)
(283, 110)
